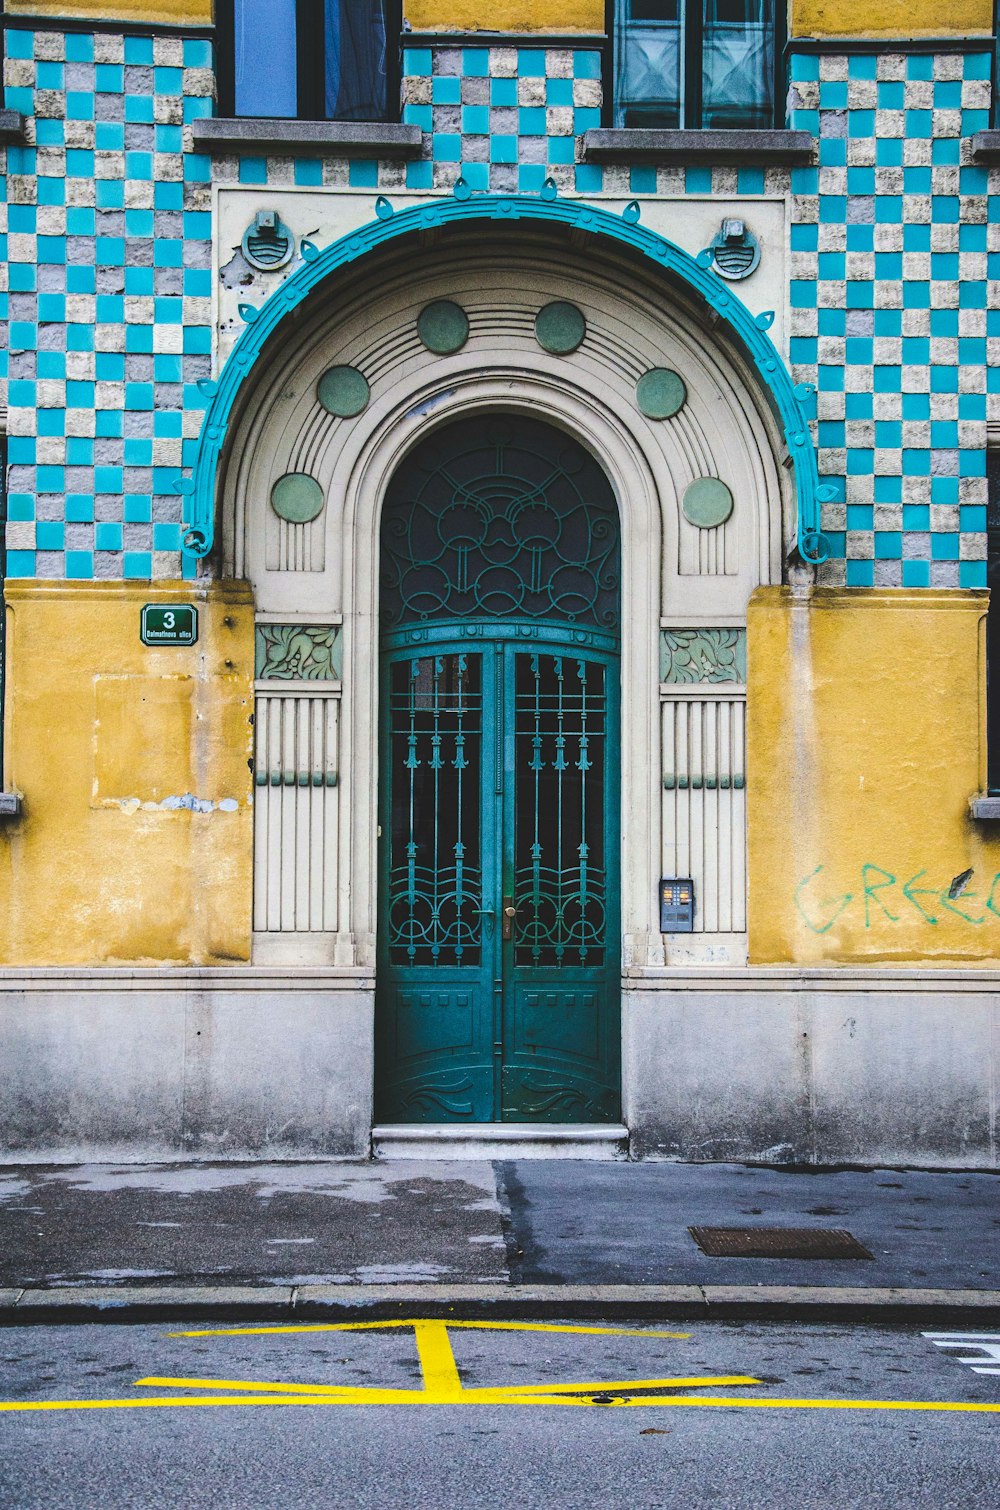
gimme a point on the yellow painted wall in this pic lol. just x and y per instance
(186, 12)
(865, 743)
(505, 15)
(891, 18)
(102, 733)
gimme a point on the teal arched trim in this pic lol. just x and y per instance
(787, 399)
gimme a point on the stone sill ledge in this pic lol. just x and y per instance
(985, 808)
(11, 128)
(379, 139)
(682, 148)
(182, 978)
(986, 147)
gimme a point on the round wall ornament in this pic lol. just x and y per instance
(660, 393)
(707, 502)
(443, 327)
(343, 391)
(560, 327)
(297, 498)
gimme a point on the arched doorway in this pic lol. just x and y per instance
(499, 940)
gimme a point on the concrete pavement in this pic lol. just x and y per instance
(556, 1237)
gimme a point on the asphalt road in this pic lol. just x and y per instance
(553, 1423)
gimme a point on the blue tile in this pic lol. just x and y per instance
(50, 534)
(20, 563)
(698, 181)
(860, 574)
(530, 177)
(80, 564)
(586, 65)
(477, 176)
(417, 61)
(503, 149)
(362, 174)
(558, 91)
(140, 50)
(168, 81)
(475, 62)
(308, 172)
(79, 106)
(21, 44)
(109, 78)
(749, 181)
(79, 508)
(642, 181)
(476, 120)
(916, 574)
(531, 121)
(589, 178)
(419, 115)
(531, 62)
(972, 574)
(137, 564)
(944, 547)
(108, 537)
(448, 91)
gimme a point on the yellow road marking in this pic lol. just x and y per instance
(442, 1384)
(483, 1326)
(446, 1392)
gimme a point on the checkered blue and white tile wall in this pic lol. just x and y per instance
(108, 267)
(895, 248)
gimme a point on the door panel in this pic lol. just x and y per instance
(500, 792)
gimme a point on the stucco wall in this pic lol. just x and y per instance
(864, 746)
(135, 842)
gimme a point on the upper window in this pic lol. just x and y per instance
(694, 63)
(333, 60)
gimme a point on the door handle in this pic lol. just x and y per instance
(509, 914)
(489, 917)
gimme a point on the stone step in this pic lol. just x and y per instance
(499, 1140)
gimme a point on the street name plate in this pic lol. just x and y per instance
(169, 624)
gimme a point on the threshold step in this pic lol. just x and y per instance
(499, 1140)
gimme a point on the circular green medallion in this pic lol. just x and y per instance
(560, 328)
(660, 393)
(707, 502)
(297, 498)
(443, 327)
(343, 391)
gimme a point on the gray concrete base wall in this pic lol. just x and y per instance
(819, 1067)
(771, 1065)
(160, 1064)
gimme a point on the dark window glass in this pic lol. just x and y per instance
(312, 59)
(694, 63)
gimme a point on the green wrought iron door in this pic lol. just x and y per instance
(499, 940)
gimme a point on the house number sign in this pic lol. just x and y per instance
(169, 624)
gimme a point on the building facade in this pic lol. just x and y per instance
(498, 535)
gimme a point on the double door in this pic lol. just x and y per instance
(499, 971)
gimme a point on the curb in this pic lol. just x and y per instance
(339, 1303)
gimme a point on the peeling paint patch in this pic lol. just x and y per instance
(184, 802)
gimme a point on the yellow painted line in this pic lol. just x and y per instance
(373, 1397)
(599, 1386)
(443, 1391)
(330, 1392)
(480, 1326)
(129, 1404)
(437, 1361)
(778, 1404)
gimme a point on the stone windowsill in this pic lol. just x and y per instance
(10, 804)
(11, 128)
(986, 147)
(378, 139)
(985, 808)
(682, 148)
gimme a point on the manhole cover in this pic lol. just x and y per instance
(778, 1242)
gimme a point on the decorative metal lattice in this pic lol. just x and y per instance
(506, 518)
(435, 876)
(560, 878)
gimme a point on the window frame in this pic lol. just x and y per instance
(310, 76)
(693, 71)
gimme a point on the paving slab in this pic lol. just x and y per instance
(250, 1224)
(628, 1224)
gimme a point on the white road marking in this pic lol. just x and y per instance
(986, 1358)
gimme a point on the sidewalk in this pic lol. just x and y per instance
(525, 1237)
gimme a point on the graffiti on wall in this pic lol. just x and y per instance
(886, 897)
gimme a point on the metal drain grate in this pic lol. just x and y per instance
(778, 1242)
